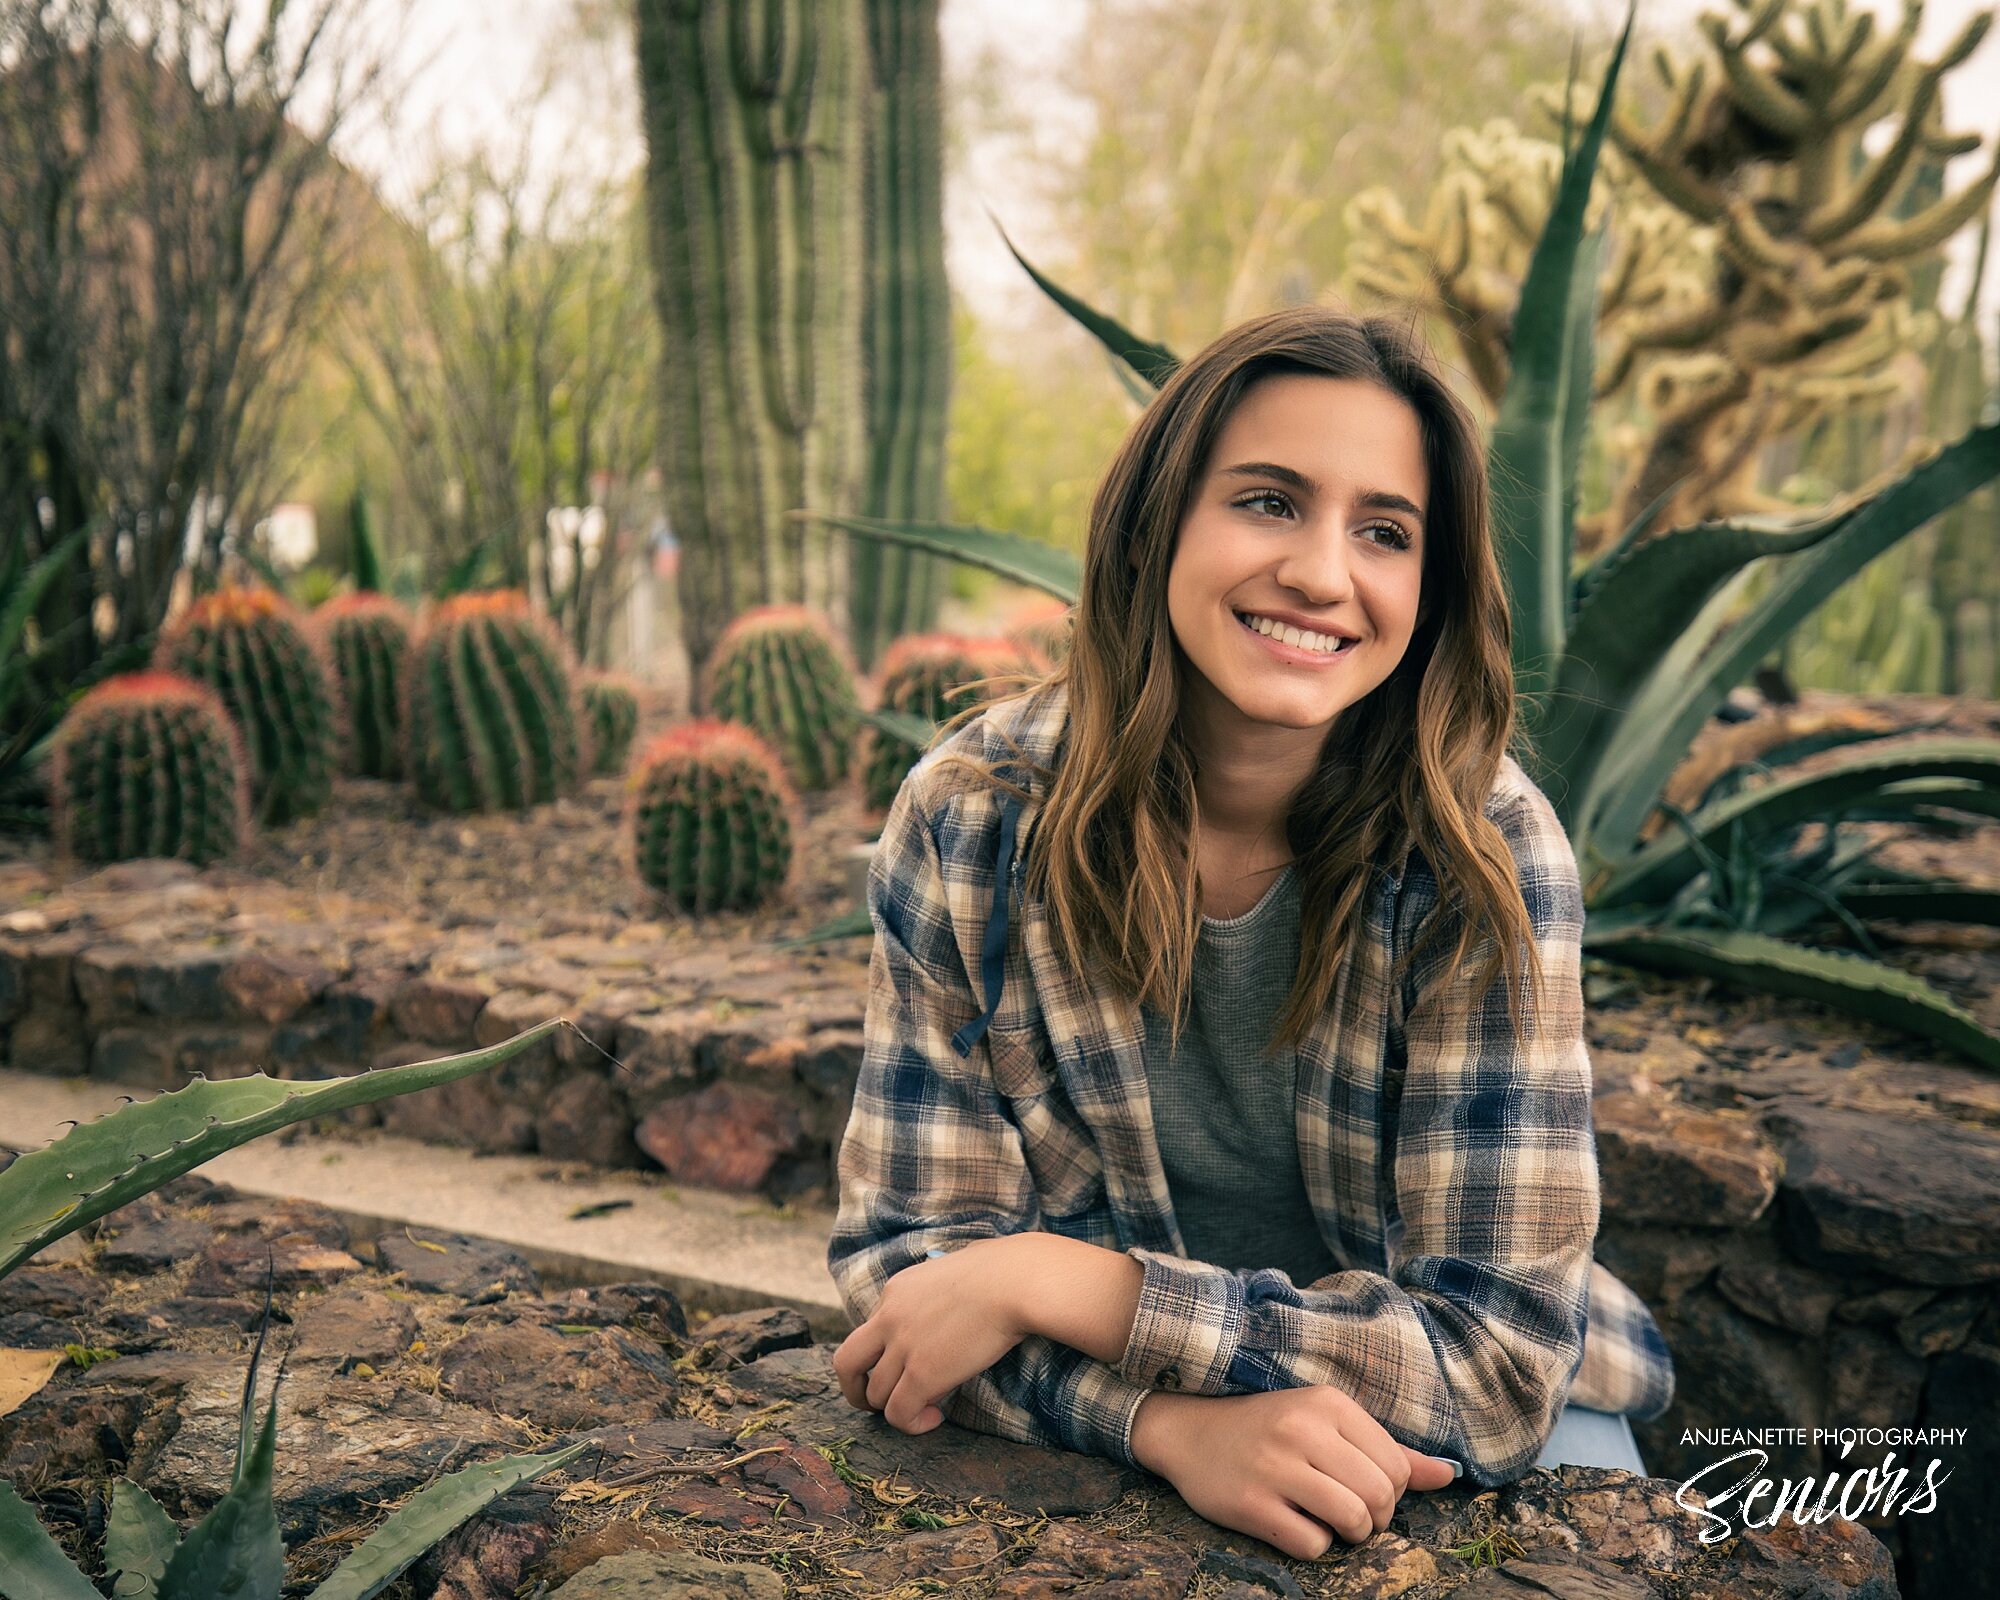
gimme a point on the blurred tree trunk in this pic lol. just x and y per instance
(756, 134)
(908, 328)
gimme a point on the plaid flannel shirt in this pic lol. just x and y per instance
(1417, 1102)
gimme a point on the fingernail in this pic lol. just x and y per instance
(1457, 1467)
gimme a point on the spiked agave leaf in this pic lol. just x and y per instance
(1012, 555)
(236, 1552)
(139, 1540)
(1853, 983)
(99, 1166)
(1150, 362)
(428, 1516)
(32, 1565)
(849, 925)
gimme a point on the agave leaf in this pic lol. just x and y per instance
(99, 1166)
(903, 725)
(1657, 871)
(851, 925)
(364, 557)
(235, 1552)
(1852, 983)
(1803, 582)
(1152, 363)
(464, 572)
(20, 596)
(428, 1516)
(32, 1565)
(1925, 798)
(1012, 555)
(1927, 902)
(1644, 604)
(1591, 579)
(139, 1541)
(1530, 448)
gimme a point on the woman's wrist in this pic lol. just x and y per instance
(1076, 1293)
(1159, 1428)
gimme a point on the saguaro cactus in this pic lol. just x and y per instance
(756, 147)
(928, 675)
(149, 764)
(368, 637)
(492, 719)
(781, 671)
(248, 645)
(611, 709)
(711, 817)
(907, 328)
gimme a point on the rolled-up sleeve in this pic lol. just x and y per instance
(1470, 1349)
(931, 1158)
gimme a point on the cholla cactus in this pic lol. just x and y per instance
(611, 708)
(249, 646)
(492, 717)
(1760, 275)
(149, 764)
(712, 818)
(368, 637)
(781, 671)
(933, 676)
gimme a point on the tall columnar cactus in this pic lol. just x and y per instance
(492, 720)
(782, 672)
(929, 675)
(611, 710)
(248, 644)
(368, 637)
(149, 764)
(711, 818)
(756, 139)
(896, 589)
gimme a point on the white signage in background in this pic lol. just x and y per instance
(289, 536)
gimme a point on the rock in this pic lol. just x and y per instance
(1659, 1264)
(1543, 1578)
(1389, 1565)
(30, 1330)
(831, 1062)
(556, 1380)
(775, 1473)
(672, 1575)
(1943, 1325)
(1254, 1572)
(515, 1011)
(66, 1432)
(648, 1308)
(658, 1051)
(1872, 1381)
(585, 1118)
(1834, 1559)
(123, 980)
(487, 1558)
(455, 1264)
(154, 1327)
(140, 1057)
(727, 1136)
(949, 1460)
(1950, 1547)
(240, 1265)
(1729, 1367)
(1067, 1555)
(437, 1011)
(354, 1324)
(51, 1039)
(938, 1555)
(53, 1291)
(1785, 1296)
(1916, 1198)
(272, 988)
(152, 1244)
(1884, 1308)
(738, 1337)
(598, 1020)
(571, 1556)
(1662, 1161)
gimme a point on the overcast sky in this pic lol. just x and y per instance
(471, 64)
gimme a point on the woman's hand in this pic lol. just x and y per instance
(938, 1323)
(1284, 1466)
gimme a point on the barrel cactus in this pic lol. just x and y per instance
(492, 720)
(149, 764)
(780, 671)
(611, 708)
(711, 817)
(927, 675)
(368, 638)
(1041, 631)
(250, 646)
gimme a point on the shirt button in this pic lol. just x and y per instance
(1170, 1378)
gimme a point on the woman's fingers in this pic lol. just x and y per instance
(858, 1352)
(1343, 1463)
(909, 1410)
(882, 1381)
(1333, 1504)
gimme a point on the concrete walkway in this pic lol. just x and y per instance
(723, 1252)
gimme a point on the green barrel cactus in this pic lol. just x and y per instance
(492, 720)
(611, 708)
(149, 764)
(928, 675)
(781, 671)
(368, 637)
(250, 647)
(711, 818)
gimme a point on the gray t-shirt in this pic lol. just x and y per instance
(1223, 1111)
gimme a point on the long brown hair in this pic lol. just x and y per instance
(1410, 765)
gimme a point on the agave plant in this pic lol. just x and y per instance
(1621, 664)
(99, 1166)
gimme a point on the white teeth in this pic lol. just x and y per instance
(1325, 644)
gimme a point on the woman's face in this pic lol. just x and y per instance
(1309, 511)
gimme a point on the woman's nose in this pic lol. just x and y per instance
(1319, 566)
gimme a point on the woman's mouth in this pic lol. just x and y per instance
(1311, 649)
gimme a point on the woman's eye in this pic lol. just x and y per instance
(1263, 498)
(1398, 539)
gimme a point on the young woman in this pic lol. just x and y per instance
(1224, 1107)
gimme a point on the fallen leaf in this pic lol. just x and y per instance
(22, 1374)
(603, 1208)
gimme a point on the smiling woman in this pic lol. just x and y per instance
(1224, 1106)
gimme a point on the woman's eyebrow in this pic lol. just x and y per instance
(1374, 499)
